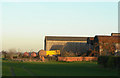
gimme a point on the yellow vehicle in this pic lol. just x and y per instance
(53, 53)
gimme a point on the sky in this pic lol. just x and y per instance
(25, 24)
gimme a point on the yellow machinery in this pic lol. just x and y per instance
(53, 53)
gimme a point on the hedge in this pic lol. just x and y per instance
(109, 61)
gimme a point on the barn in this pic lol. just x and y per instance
(62, 43)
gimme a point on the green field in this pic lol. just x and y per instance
(55, 69)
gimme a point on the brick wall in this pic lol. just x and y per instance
(77, 58)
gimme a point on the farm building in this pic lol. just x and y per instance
(69, 44)
(115, 34)
(107, 44)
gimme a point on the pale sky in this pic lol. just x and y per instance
(25, 24)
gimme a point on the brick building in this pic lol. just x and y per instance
(107, 44)
(100, 43)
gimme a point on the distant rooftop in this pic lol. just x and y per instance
(115, 34)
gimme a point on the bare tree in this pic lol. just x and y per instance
(11, 53)
(4, 53)
(106, 48)
(19, 55)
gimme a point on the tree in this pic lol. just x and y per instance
(105, 49)
(11, 53)
(4, 53)
(94, 51)
(19, 55)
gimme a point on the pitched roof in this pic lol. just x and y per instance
(64, 38)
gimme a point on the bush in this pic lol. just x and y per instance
(117, 61)
(109, 61)
(103, 60)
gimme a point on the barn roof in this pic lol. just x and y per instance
(64, 38)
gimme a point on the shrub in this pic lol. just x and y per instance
(103, 60)
(117, 61)
(109, 61)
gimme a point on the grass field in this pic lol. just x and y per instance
(55, 69)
